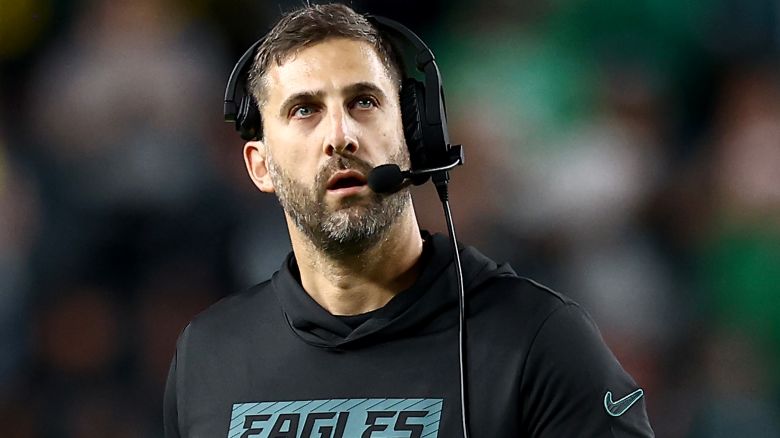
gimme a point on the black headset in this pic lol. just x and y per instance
(423, 111)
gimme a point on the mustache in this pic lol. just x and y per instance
(336, 164)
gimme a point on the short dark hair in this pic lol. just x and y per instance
(313, 24)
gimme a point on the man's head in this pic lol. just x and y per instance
(311, 25)
(330, 113)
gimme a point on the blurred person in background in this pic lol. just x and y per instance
(118, 130)
(19, 227)
(357, 332)
(738, 257)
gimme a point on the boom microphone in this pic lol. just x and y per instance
(389, 178)
(386, 178)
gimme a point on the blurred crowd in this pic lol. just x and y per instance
(624, 153)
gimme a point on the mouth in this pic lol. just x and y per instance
(346, 181)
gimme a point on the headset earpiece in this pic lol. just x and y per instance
(248, 121)
(412, 102)
(245, 114)
(422, 103)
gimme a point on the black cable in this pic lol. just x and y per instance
(441, 189)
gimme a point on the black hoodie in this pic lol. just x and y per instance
(270, 362)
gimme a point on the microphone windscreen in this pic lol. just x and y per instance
(386, 178)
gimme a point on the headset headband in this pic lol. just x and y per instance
(239, 70)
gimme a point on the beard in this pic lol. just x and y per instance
(353, 225)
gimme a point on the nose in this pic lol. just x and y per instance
(341, 138)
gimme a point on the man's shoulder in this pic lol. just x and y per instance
(235, 313)
(523, 294)
(500, 287)
(521, 307)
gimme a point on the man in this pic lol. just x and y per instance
(356, 335)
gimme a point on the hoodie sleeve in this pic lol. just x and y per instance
(574, 386)
(175, 390)
(170, 408)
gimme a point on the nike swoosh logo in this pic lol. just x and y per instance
(620, 407)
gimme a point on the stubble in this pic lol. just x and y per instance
(349, 228)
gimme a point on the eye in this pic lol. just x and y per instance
(364, 102)
(302, 111)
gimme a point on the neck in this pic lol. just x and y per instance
(360, 283)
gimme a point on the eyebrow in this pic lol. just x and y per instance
(309, 95)
(365, 87)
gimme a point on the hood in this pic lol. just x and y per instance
(434, 293)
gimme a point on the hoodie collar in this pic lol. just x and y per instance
(433, 292)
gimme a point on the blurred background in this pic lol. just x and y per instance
(624, 153)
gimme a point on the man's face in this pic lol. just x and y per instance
(330, 116)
